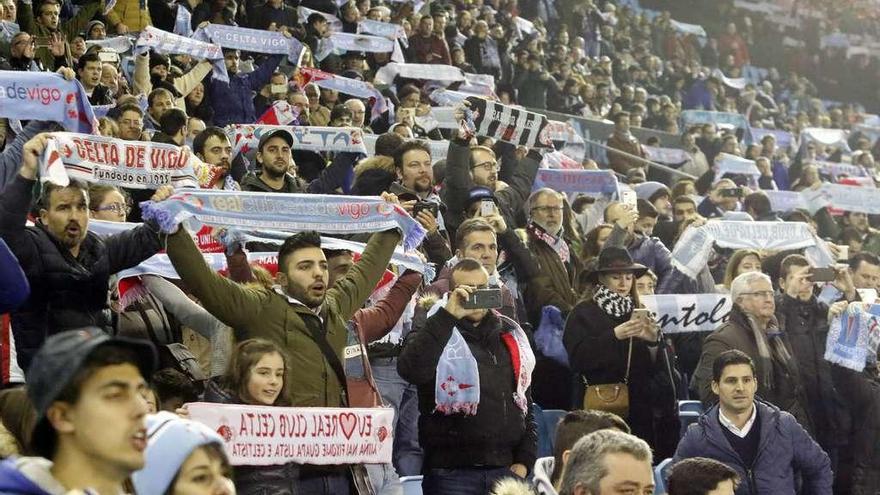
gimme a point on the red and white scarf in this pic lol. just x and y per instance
(557, 243)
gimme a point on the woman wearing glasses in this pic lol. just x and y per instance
(107, 203)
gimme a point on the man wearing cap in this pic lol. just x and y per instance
(88, 392)
(96, 30)
(67, 266)
(277, 170)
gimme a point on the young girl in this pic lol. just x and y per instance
(256, 376)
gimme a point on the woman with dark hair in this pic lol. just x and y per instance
(594, 241)
(197, 105)
(608, 342)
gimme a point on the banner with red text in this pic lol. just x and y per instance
(132, 164)
(265, 435)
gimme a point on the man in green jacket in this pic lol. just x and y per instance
(298, 312)
(53, 47)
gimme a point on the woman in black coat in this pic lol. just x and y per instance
(598, 335)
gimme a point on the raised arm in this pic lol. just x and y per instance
(377, 320)
(182, 307)
(351, 291)
(230, 302)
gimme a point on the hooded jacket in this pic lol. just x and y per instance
(785, 450)
(28, 476)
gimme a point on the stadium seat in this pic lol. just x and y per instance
(661, 473)
(545, 438)
(552, 418)
(690, 405)
(685, 419)
(412, 485)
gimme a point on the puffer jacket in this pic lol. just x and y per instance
(500, 434)
(785, 451)
(66, 292)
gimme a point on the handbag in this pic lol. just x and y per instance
(362, 390)
(610, 397)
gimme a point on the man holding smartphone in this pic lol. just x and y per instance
(723, 197)
(472, 368)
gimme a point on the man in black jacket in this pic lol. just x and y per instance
(67, 267)
(494, 434)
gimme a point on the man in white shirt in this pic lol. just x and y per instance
(767, 447)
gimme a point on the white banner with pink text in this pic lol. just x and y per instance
(265, 435)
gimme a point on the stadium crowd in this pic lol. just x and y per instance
(576, 246)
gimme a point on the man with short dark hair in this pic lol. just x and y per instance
(131, 122)
(159, 101)
(426, 47)
(213, 147)
(472, 368)
(233, 101)
(44, 23)
(172, 128)
(766, 446)
(277, 171)
(88, 392)
(701, 476)
(865, 268)
(571, 428)
(723, 197)
(300, 313)
(757, 205)
(67, 266)
(88, 71)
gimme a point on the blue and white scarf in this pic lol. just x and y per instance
(294, 212)
(251, 40)
(738, 120)
(853, 337)
(165, 42)
(46, 96)
(348, 86)
(118, 44)
(384, 29)
(183, 22)
(731, 164)
(593, 183)
(691, 253)
(427, 72)
(348, 42)
(457, 379)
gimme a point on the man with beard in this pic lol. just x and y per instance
(212, 147)
(468, 166)
(233, 101)
(88, 71)
(415, 188)
(482, 51)
(303, 314)
(67, 267)
(278, 169)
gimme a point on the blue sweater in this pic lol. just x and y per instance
(784, 449)
(14, 287)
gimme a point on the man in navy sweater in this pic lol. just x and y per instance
(766, 446)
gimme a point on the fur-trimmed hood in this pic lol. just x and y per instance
(512, 486)
(378, 162)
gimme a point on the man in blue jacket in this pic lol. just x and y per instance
(766, 446)
(233, 101)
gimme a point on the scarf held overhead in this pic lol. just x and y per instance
(251, 40)
(165, 42)
(508, 123)
(132, 164)
(296, 212)
(345, 85)
(46, 96)
(853, 336)
(691, 253)
(246, 137)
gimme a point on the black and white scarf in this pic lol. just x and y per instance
(509, 124)
(612, 303)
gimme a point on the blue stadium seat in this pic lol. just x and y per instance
(412, 485)
(690, 405)
(661, 473)
(545, 438)
(685, 419)
(552, 418)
